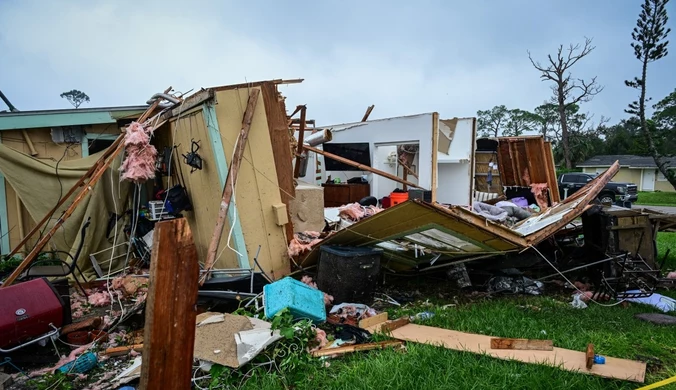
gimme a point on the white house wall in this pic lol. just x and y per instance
(455, 174)
(415, 129)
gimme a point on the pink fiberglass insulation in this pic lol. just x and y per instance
(540, 192)
(64, 360)
(99, 299)
(671, 275)
(356, 212)
(139, 162)
(303, 242)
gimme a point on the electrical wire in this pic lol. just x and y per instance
(571, 283)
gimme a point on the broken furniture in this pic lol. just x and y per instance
(340, 194)
(63, 268)
(32, 311)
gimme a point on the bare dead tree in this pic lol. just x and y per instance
(567, 90)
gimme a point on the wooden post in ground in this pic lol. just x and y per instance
(230, 183)
(169, 333)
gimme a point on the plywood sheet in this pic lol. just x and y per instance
(257, 187)
(563, 358)
(203, 186)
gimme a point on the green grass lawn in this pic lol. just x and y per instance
(613, 330)
(656, 199)
(667, 241)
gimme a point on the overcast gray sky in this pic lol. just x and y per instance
(406, 57)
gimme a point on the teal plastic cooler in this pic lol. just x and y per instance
(302, 300)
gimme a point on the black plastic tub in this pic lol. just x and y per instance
(350, 274)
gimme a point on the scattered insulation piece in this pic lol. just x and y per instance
(139, 162)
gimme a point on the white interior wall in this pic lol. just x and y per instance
(455, 171)
(415, 129)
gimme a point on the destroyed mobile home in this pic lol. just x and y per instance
(223, 199)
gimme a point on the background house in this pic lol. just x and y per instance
(640, 170)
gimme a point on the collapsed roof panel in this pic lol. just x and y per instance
(416, 234)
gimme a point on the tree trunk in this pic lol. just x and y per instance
(661, 166)
(564, 127)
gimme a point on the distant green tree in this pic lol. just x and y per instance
(650, 44)
(518, 122)
(75, 97)
(491, 123)
(547, 119)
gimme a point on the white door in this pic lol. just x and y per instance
(648, 180)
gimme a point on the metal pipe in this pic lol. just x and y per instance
(318, 138)
(164, 96)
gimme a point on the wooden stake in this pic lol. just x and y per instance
(301, 134)
(367, 113)
(361, 166)
(589, 355)
(169, 333)
(535, 345)
(94, 173)
(230, 183)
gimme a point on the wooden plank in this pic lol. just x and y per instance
(258, 84)
(552, 180)
(189, 103)
(169, 333)
(230, 183)
(301, 136)
(275, 114)
(377, 319)
(93, 322)
(523, 344)
(435, 155)
(120, 351)
(356, 348)
(396, 324)
(367, 113)
(562, 358)
(361, 167)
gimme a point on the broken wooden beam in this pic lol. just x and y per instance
(393, 325)
(94, 322)
(371, 321)
(524, 344)
(169, 332)
(356, 348)
(230, 183)
(301, 137)
(361, 167)
(368, 113)
(29, 143)
(121, 351)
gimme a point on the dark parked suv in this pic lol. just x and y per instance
(569, 183)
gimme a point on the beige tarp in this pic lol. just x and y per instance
(37, 184)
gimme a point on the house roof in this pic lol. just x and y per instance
(67, 117)
(626, 160)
